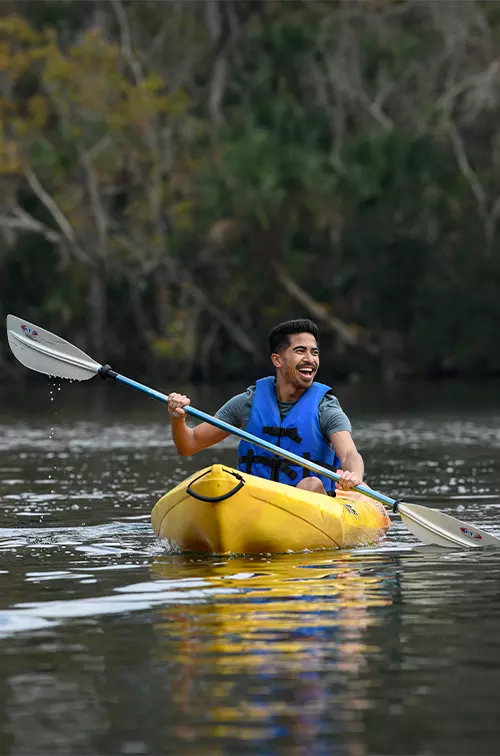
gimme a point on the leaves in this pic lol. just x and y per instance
(352, 146)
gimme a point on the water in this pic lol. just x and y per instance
(110, 645)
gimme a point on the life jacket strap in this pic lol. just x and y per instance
(275, 463)
(276, 430)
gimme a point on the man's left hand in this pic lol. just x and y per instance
(348, 480)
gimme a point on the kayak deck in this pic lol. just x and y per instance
(220, 510)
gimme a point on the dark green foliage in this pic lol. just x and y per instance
(331, 160)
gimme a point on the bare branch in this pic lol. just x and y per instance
(57, 214)
(20, 220)
(154, 189)
(126, 39)
(99, 146)
(147, 265)
(480, 82)
(185, 280)
(51, 205)
(453, 19)
(467, 170)
(227, 321)
(158, 42)
(352, 335)
(344, 73)
(97, 205)
(218, 78)
(217, 85)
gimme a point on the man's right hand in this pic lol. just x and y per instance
(175, 405)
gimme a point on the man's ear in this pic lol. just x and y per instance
(276, 360)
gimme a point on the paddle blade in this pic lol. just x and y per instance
(438, 529)
(47, 353)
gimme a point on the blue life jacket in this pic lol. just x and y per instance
(299, 432)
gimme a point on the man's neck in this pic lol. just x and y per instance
(287, 392)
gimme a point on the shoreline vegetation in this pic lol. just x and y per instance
(176, 178)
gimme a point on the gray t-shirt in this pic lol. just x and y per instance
(331, 416)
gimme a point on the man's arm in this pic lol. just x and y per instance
(188, 440)
(352, 465)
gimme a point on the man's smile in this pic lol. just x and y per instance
(306, 370)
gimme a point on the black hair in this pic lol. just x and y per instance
(279, 338)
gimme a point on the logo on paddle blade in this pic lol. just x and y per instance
(471, 534)
(29, 331)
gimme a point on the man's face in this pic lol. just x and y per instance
(299, 363)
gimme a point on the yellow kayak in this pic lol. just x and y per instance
(219, 510)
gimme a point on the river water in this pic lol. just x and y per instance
(111, 645)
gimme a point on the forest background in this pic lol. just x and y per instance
(176, 177)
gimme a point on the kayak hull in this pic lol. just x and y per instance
(220, 510)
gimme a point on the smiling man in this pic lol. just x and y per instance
(290, 410)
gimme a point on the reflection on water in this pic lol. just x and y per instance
(110, 645)
(271, 639)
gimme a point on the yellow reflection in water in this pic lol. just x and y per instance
(283, 654)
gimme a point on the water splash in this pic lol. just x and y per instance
(54, 388)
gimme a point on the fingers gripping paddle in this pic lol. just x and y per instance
(47, 353)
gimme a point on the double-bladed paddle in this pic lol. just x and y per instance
(47, 353)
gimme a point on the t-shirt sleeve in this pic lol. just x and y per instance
(332, 417)
(236, 410)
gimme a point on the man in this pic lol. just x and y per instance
(291, 410)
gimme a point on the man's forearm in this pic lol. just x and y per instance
(183, 437)
(353, 462)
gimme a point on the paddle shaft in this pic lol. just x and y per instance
(106, 372)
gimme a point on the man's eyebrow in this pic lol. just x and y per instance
(303, 346)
